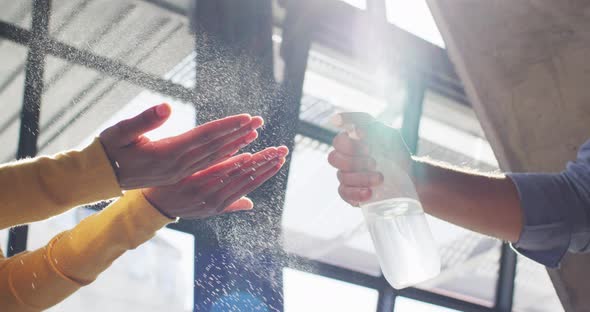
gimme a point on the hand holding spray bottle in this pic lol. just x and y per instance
(394, 216)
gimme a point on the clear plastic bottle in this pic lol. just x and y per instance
(396, 221)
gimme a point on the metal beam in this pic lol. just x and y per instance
(332, 271)
(102, 64)
(386, 299)
(33, 91)
(506, 277)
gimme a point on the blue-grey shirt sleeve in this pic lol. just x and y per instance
(555, 211)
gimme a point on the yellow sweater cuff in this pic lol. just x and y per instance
(101, 174)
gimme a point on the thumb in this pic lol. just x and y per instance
(127, 131)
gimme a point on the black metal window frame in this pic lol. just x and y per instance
(442, 79)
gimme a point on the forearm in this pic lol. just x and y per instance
(39, 188)
(486, 204)
(38, 280)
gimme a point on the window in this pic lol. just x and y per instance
(314, 293)
(533, 291)
(415, 17)
(79, 101)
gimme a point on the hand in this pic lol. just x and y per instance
(220, 188)
(139, 162)
(357, 171)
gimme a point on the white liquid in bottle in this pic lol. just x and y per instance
(396, 221)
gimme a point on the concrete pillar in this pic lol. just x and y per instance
(526, 69)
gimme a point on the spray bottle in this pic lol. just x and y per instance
(394, 216)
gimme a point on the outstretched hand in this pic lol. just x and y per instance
(140, 162)
(220, 188)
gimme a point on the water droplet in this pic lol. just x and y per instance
(33, 285)
(34, 275)
(21, 262)
(251, 178)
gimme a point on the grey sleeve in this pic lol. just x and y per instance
(555, 211)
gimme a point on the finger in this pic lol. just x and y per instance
(243, 203)
(283, 150)
(127, 131)
(351, 163)
(206, 133)
(221, 169)
(254, 183)
(360, 179)
(204, 157)
(344, 144)
(354, 195)
(219, 188)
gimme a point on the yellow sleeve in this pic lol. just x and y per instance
(38, 188)
(37, 280)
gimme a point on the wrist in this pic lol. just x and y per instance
(159, 209)
(112, 161)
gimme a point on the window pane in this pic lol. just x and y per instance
(334, 83)
(139, 34)
(311, 293)
(451, 133)
(533, 291)
(12, 81)
(16, 12)
(403, 304)
(415, 17)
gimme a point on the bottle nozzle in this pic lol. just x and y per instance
(349, 122)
